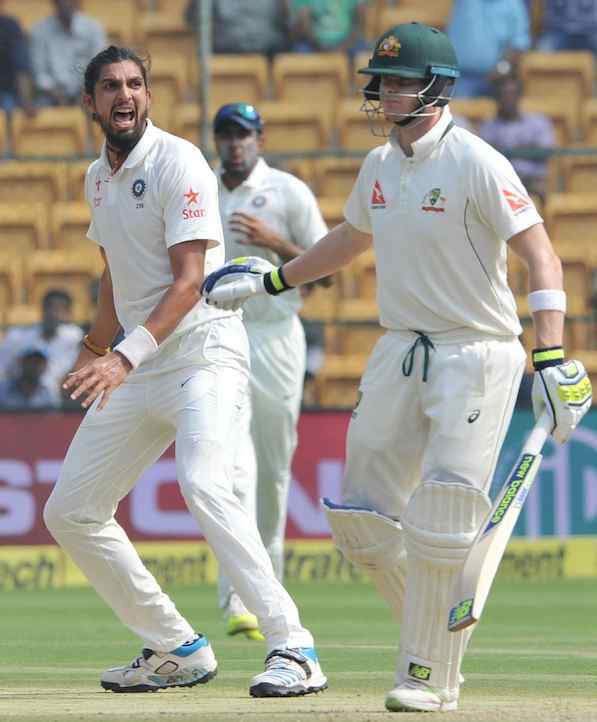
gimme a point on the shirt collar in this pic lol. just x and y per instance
(137, 155)
(423, 147)
(255, 179)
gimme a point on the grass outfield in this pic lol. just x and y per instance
(533, 658)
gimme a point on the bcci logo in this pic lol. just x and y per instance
(138, 189)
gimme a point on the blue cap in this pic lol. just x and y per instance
(242, 114)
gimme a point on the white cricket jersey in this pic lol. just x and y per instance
(440, 222)
(288, 207)
(165, 193)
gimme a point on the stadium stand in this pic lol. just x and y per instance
(24, 226)
(43, 182)
(68, 227)
(53, 132)
(120, 19)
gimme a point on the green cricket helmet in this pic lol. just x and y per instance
(414, 50)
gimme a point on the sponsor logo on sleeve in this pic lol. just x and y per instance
(518, 203)
(434, 201)
(377, 199)
(192, 199)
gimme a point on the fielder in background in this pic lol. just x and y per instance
(266, 213)
(181, 373)
(442, 208)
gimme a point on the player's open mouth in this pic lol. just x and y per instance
(123, 119)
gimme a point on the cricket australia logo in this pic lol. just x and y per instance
(138, 189)
(434, 201)
(389, 47)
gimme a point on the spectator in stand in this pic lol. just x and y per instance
(569, 25)
(489, 36)
(56, 336)
(61, 45)
(246, 26)
(329, 25)
(28, 390)
(512, 128)
(16, 84)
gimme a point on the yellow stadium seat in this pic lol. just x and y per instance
(354, 129)
(75, 179)
(42, 182)
(571, 217)
(358, 285)
(320, 303)
(313, 78)
(28, 12)
(436, 14)
(169, 80)
(336, 176)
(332, 209)
(474, 110)
(119, 18)
(186, 122)
(60, 269)
(571, 72)
(23, 226)
(290, 127)
(579, 173)
(561, 113)
(304, 169)
(578, 271)
(3, 134)
(69, 224)
(589, 122)
(337, 382)
(356, 337)
(237, 78)
(54, 132)
(22, 314)
(160, 33)
(11, 281)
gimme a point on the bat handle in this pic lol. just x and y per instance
(539, 434)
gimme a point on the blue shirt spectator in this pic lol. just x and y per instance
(28, 390)
(15, 67)
(488, 36)
(569, 25)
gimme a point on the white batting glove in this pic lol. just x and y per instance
(229, 287)
(561, 387)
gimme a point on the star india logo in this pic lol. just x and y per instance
(191, 197)
(390, 47)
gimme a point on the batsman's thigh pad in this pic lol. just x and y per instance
(373, 542)
(440, 524)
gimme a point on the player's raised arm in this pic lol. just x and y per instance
(560, 387)
(232, 284)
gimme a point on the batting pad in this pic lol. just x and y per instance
(440, 524)
(373, 542)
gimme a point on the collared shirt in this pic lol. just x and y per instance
(529, 130)
(440, 221)
(288, 207)
(246, 26)
(570, 16)
(62, 351)
(59, 55)
(483, 30)
(11, 397)
(164, 193)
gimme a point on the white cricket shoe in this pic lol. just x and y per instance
(289, 673)
(411, 696)
(191, 663)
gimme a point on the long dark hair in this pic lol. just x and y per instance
(113, 54)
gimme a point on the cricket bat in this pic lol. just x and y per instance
(472, 586)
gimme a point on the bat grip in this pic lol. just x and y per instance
(539, 434)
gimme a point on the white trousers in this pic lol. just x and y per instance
(405, 430)
(278, 358)
(194, 391)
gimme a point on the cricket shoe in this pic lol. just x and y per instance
(190, 664)
(411, 696)
(244, 624)
(289, 673)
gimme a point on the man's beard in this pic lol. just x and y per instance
(125, 142)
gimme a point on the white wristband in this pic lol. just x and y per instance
(138, 346)
(547, 300)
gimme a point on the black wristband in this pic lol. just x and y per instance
(545, 357)
(275, 283)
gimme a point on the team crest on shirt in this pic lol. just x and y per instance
(377, 199)
(138, 188)
(258, 201)
(518, 204)
(434, 201)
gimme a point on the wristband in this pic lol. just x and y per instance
(275, 283)
(547, 300)
(94, 348)
(138, 346)
(544, 357)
